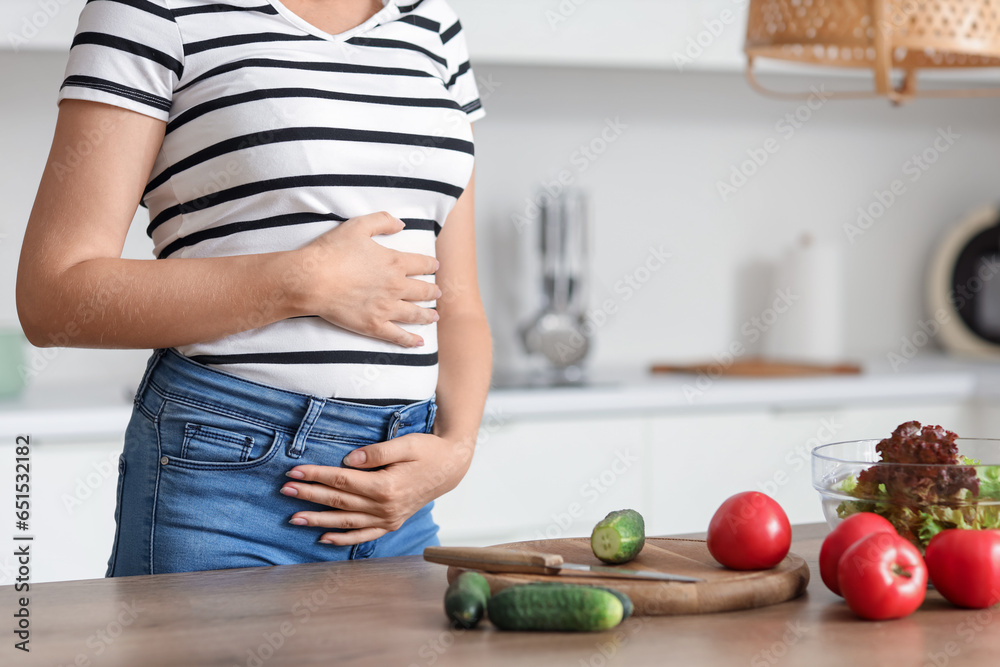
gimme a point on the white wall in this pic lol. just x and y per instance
(655, 185)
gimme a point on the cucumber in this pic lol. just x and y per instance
(465, 600)
(560, 607)
(627, 606)
(619, 537)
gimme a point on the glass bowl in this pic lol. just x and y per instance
(919, 499)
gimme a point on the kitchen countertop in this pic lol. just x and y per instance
(98, 411)
(928, 379)
(388, 612)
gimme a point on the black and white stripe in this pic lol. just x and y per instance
(276, 132)
(221, 7)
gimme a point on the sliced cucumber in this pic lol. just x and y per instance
(619, 537)
(466, 598)
(555, 607)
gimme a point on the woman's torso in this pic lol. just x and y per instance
(276, 133)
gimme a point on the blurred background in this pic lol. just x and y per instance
(717, 226)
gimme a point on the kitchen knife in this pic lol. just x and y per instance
(494, 559)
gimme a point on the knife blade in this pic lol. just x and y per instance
(495, 559)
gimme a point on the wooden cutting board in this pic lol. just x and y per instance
(756, 367)
(722, 590)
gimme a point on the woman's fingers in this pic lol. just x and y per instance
(410, 313)
(379, 454)
(353, 537)
(336, 519)
(416, 264)
(376, 224)
(397, 334)
(340, 488)
(324, 495)
(414, 289)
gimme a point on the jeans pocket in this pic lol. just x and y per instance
(208, 443)
(118, 516)
(207, 436)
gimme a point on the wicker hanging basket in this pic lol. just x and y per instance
(885, 36)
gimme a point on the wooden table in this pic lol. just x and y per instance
(388, 612)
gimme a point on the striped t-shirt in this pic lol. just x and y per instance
(277, 132)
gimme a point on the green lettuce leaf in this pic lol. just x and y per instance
(989, 482)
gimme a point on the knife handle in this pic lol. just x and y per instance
(493, 559)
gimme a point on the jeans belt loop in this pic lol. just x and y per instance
(154, 360)
(305, 427)
(431, 412)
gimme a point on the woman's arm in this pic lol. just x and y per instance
(465, 348)
(418, 467)
(75, 290)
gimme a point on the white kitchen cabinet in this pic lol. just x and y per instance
(700, 460)
(796, 432)
(541, 478)
(73, 493)
(683, 36)
(546, 478)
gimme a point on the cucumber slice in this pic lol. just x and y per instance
(619, 537)
(559, 608)
(465, 600)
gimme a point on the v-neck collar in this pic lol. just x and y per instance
(388, 12)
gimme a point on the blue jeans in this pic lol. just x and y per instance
(205, 455)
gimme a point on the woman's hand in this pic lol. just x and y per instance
(418, 467)
(349, 279)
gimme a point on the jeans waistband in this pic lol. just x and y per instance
(172, 375)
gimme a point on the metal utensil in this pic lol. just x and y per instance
(494, 559)
(558, 332)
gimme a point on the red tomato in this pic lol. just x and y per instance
(964, 565)
(749, 531)
(882, 576)
(847, 532)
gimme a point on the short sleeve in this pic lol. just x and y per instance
(461, 81)
(128, 53)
